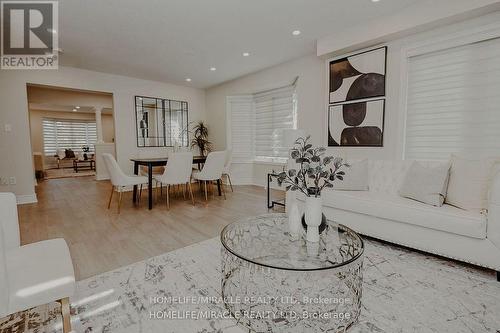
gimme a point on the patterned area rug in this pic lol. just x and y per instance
(404, 291)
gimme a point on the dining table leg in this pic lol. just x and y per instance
(218, 187)
(136, 172)
(150, 186)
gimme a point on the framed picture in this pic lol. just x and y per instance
(358, 124)
(359, 76)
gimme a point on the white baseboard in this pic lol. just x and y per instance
(26, 199)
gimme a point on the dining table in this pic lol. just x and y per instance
(161, 161)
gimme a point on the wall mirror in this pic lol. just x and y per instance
(161, 122)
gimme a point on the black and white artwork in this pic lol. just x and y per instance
(359, 76)
(356, 124)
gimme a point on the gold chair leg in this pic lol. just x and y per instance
(222, 188)
(184, 188)
(66, 315)
(120, 200)
(206, 194)
(191, 192)
(111, 196)
(230, 184)
(168, 197)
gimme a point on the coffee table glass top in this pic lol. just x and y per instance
(264, 240)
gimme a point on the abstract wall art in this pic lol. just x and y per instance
(356, 124)
(359, 76)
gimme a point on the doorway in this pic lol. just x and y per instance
(67, 126)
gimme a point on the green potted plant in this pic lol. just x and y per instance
(315, 172)
(200, 138)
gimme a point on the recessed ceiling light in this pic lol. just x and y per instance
(375, 0)
(74, 110)
(77, 107)
(213, 69)
(246, 54)
(296, 32)
(188, 79)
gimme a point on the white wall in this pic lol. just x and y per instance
(311, 109)
(15, 148)
(422, 15)
(312, 94)
(310, 91)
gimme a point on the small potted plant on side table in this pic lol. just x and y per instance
(316, 173)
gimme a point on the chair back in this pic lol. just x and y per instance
(116, 174)
(9, 238)
(179, 167)
(214, 165)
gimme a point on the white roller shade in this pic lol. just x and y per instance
(453, 102)
(241, 131)
(67, 134)
(274, 113)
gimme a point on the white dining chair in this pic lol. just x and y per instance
(212, 170)
(119, 180)
(177, 173)
(227, 167)
(33, 274)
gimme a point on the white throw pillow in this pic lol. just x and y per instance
(427, 185)
(470, 182)
(355, 178)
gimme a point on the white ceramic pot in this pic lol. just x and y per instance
(294, 223)
(313, 215)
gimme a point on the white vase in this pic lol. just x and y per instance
(294, 224)
(313, 216)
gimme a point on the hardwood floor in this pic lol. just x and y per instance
(101, 240)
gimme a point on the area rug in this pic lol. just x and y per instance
(404, 291)
(67, 173)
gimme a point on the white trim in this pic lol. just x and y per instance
(26, 199)
(403, 101)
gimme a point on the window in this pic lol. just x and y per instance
(257, 124)
(453, 102)
(67, 134)
(274, 112)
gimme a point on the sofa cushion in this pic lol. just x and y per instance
(470, 181)
(393, 207)
(355, 178)
(388, 175)
(427, 185)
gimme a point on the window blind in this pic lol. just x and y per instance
(242, 127)
(274, 113)
(453, 102)
(67, 134)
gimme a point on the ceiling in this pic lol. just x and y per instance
(171, 40)
(55, 99)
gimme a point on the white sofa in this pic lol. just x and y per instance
(447, 231)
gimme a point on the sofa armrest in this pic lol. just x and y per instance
(9, 221)
(493, 232)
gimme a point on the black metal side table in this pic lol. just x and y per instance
(272, 203)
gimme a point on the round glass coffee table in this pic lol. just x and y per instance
(272, 283)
